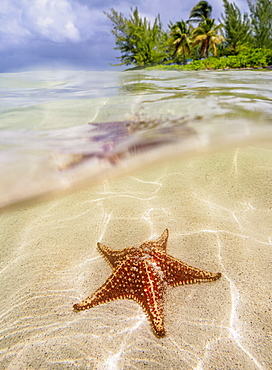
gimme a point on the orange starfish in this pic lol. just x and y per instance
(143, 273)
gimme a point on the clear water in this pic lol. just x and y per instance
(47, 143)
(187, 151)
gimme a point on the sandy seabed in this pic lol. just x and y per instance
(218, 210)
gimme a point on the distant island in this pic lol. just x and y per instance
(199, 43)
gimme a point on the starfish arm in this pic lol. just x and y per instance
(137, 280)
(159, 244)
(115, 257)
(152, 298)
(123, 283)
(179, 273)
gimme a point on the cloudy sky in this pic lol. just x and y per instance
(75, 34)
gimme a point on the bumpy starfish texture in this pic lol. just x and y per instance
(143, 274)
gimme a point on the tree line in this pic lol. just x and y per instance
(143, 43)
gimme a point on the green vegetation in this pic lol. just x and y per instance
(251, 58)
(261, 20)
(180, 40)
(200, 12)
(206, 34)
(239, 41)
(237, 28)
(140, 42)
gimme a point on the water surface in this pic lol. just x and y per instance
(49, 122)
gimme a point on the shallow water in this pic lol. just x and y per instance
(206, 138)
(47, 142)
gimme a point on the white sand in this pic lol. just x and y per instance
(218, 210)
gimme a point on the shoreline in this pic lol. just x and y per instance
(250, 59)
(177, 67)
(210, 69)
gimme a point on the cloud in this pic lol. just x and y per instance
(53, 20)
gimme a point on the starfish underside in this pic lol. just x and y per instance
(143, 274)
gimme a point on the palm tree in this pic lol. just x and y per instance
(200, 12)
(206, 35)
(180, 39)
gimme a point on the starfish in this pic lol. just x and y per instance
(143, 274)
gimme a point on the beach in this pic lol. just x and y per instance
(218, 209)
